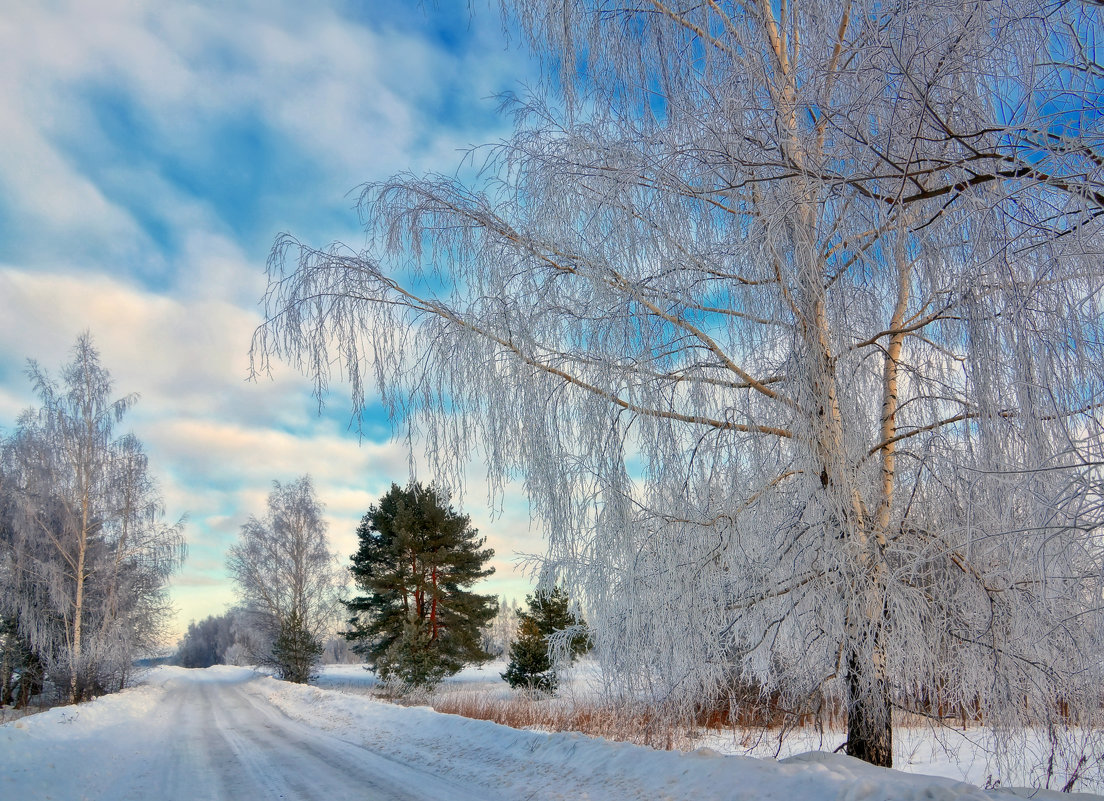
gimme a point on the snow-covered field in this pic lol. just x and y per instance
(230, 733)
(482, 679)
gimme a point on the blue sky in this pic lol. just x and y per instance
(151, 152)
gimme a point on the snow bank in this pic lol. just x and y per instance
(565, 766)
(961, 755)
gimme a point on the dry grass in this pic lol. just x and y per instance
(748, 721)
(550, 714)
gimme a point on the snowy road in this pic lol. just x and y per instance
(222, 740)
(227, 733)
(226, 742)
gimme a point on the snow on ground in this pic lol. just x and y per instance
(485, 678)
(946, 751)
(573, 764)
(942, 751)
(230, 733)
(577, 682)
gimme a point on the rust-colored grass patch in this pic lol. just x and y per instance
(611, 722)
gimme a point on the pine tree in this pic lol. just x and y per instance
(417, 621)
(531, 665)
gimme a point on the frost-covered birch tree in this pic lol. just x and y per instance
(789, 315)
(86, 552)
(288, 579)
(500, 633)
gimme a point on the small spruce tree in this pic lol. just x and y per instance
(412, 660)
(296, 651)
(531, 666)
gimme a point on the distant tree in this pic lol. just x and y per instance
(212, 640)
(336, 651)
(417, 621)
(84, 553)
(499, 634)
(532, 659)
(198, 648)
(288, 579)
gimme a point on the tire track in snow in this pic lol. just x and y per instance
(218, 740)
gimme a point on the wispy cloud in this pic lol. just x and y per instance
(128, 125)
(151, 153)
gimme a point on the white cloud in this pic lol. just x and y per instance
(355, 101)
(352, 102)
(189, 353)
(36, 52)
